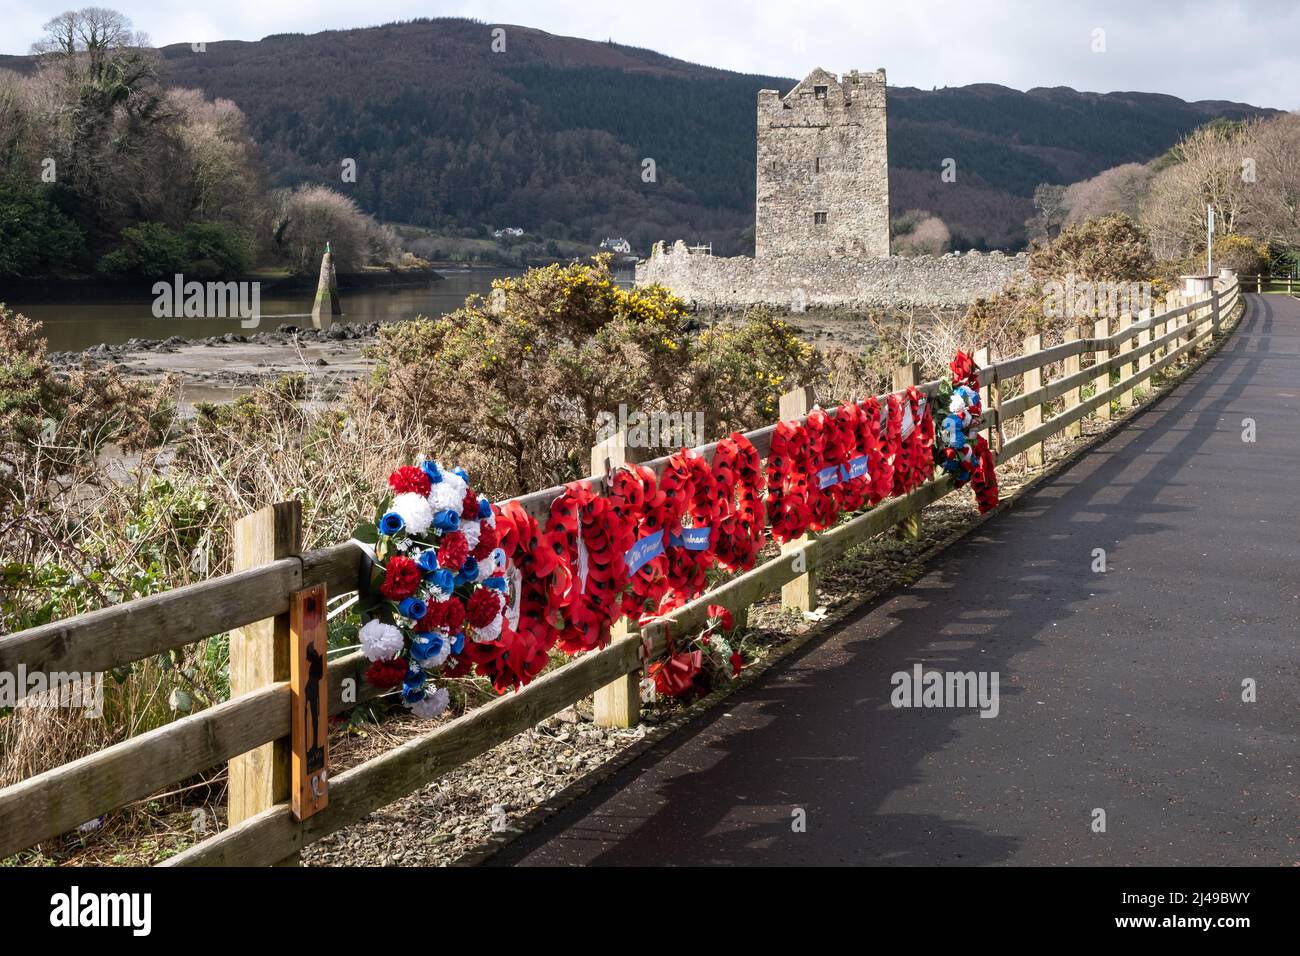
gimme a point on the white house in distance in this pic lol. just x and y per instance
(619, 245)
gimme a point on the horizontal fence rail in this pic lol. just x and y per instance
(58, 800)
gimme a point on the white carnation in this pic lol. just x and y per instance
(457, 484)
(415, 511)
(437, 660)
(380, 641)
(431, 705)
(471, 530)
(444, 497)
(492, 564)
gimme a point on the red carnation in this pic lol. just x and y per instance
(449, 614)
(409, 479)
(453, 549)
(469, 507)
(386, 674)
(484, 606)
(430, 620)
(401, 578)
(487, 542)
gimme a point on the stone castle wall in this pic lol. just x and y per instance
(821, 219)
(796, 282)
(823, 168)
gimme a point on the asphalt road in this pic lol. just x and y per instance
(1118, 691)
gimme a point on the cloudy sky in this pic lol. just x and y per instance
(1195, 49)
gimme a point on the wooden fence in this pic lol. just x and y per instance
(250, 729)
(1288, 285)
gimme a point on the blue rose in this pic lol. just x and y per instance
(458, 642)
(413, 608)
(464, 475)
(431, 469)
(443, 580)
(447, 520)
(392, 523)
(428, 561)
(468, 571)
(484, 508)
(413, 686)
(427, 646)
(496, 584)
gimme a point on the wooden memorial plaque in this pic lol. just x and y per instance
(308, 678)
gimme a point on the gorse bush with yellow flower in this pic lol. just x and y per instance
(513, 384)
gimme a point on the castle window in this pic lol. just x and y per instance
(819, 219)
(819, 92)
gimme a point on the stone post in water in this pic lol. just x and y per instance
(327, 288)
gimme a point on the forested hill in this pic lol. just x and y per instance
(551, 134)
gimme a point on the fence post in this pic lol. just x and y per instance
(1214, 312)
(1033, 417)
(990, 398)
(802, 591)
(1171, 303)
(1144, 338)
(909, 529)
(1158, 330)
(1073, 363)
(259, 655)
(617, 704)
(1198, 324)
(1101, 330)
(1125, 370)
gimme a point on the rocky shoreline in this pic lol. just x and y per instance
(222, 367)
(283, 335)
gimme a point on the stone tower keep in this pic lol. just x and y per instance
(823, 170)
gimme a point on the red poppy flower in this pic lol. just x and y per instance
(964, 370)
(723, 616)
(675, 677)
(737, 663)
(788, 465)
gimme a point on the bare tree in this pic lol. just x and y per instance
(101, 106)
(1271, 170)
(1120, 189)
(93, 31)
(310, 216)
(929, 237)
(1049, 201)
(1206, 171)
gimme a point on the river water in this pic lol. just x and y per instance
(72, 325)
